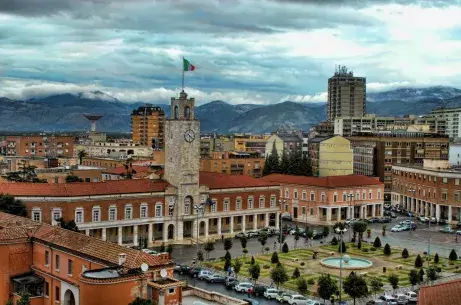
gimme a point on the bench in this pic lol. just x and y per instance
(399, 267)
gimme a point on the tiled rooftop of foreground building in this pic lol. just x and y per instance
(225, 181)
(329, 182)
(448, 293)
(15, 229)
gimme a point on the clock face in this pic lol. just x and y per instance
(189, 135)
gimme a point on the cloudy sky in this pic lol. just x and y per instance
(244, 51)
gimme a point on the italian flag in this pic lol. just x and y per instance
(187, 65)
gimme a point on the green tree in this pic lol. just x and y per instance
(208, 247)
(275, 258)
(421, 275)
(237, 266)
(24, 300)
(279, 275)
(377, 242)
(414, 277)
(355, 286)
(262, 238)
(9, 302)
(81, 154)
(267, 169)
(418, 261)
(169, 249)
(254, 271)
(271, 164)
(73, 178)
(326, 231)
(68, 225)
(244, 241)
(326, 287)
(296, 273)
(405, 253)
(436, 258)
(12, 206)
(305, 167)
(432, 273)
(334, 241)
(162, 248)
(302, 285)
(281, 238)
(252, 261)
(285, 248)
(227, 264)
(227, 255)
(284, 163)
(359, 227)
(375, 284)
(200, 256)
(394, 281)
(387, 250)
(359, 244)
(342, 247)
(227, 244)
(139, 301)
(453, 255)
(297, 236)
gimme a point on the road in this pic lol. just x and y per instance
(417, 240)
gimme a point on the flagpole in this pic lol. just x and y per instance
(182, 83)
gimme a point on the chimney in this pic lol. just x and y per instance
(121, 259)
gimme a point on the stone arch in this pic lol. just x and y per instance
(176, 112)
(202, 228)
(187, 112)
(130, 152)
(69, 298)
(170, 231)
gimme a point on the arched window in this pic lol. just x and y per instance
(187, 205)
(187, 112)
(176, 112)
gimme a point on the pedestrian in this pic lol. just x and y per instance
(456, 238)
(250, 291)
(222, 237)
(272, 283)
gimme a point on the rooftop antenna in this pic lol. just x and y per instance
(93, 118)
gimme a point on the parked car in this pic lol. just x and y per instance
(412, 297)
(195, 271)
(181, 269)
(312, 302)
(458, 232)
(149, 251)
(251, 301)
(376, 302)
(388, 299)
(253, 234)
(282, 297)
(442, 222)
(271, 293)
(297, 299)
(373, 220)
(204, 273)
(447, 229)
(397, 228)
(393, 215)
(350, 221)
(387, 206)
(401, 299)
(231, 283)
(243, 287)
(287, 216)
(258, 290)
(241, 235)
(215, 278)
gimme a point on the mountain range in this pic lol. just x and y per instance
(64, 112)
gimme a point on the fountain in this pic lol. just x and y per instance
(348, 263)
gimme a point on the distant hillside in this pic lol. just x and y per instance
(64, 112)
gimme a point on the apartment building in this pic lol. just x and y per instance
(209, 144)
(395, 148)
(346, 95)
(40, 146)
(429, 189)
(330, 156)
(234, 163)
(251, 144)
(108, 149)
(327, 200)
(288, 142)
(147, 126)
(370, 123)
(451, 115)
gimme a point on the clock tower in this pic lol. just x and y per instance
(182, 155)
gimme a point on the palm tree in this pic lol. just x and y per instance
(81, 154)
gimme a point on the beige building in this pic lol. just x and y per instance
(451, 115)
(288, 142)
(113, 149)
(346, 95)
(331, 156)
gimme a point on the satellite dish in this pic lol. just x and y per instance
(163, 273)
(144, 267)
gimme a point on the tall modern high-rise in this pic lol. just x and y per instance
(346, 94)
(147, 126)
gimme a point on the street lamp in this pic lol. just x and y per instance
(198, 208)
(411, 203)
(351, 197)
(282, 203)
(346, 259)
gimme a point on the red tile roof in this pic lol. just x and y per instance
(448, 293)
(83, 188)
(329, 182)
(226, 181)
(121, 170)
(19, 229)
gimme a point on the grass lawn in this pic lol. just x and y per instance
(311, 269)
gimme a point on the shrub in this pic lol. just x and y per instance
(334, 241)
(405, 253)
(252, 260)
(285, 248)
(436, 258)
(247, 263)
(418, 261)
(421, 274)
(453, 256)
(296, 273)
(359, 245)
(274, 258)
(302, 264)
(311, 281)
(372, 249)
(377, 242)
(245, 251)
(343, 246)
(387, 250)
(302, 285)
(365, 250)
(267, 249)
(266, 266)
(438, 269)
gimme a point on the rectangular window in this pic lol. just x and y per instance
(47, 258)
(57, 295)
(128, 214)
(344, 197)
(79, 216)
(226, 205)
(250, 203)
(47, 289)
(171, 291)
(143, 211)
(456, 181)
(273, 202)
(238, 204)
(56, 262)
(37, 215)
(444, 196)
(112, 214)
(286, 207)
(335, 198)
(312, 196)
(304, 210)
(364, 196)
(96, 215)
(312, 211)
(56, 214)
(187, 209)
(70, 267)
(158, 210)
(287, 193)
(295, 194)
(213, 207)
(445, 180)
(456, 197)
(323, 197)
(379, 194)
(261, 203)
(304, 195)
(370, 195)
